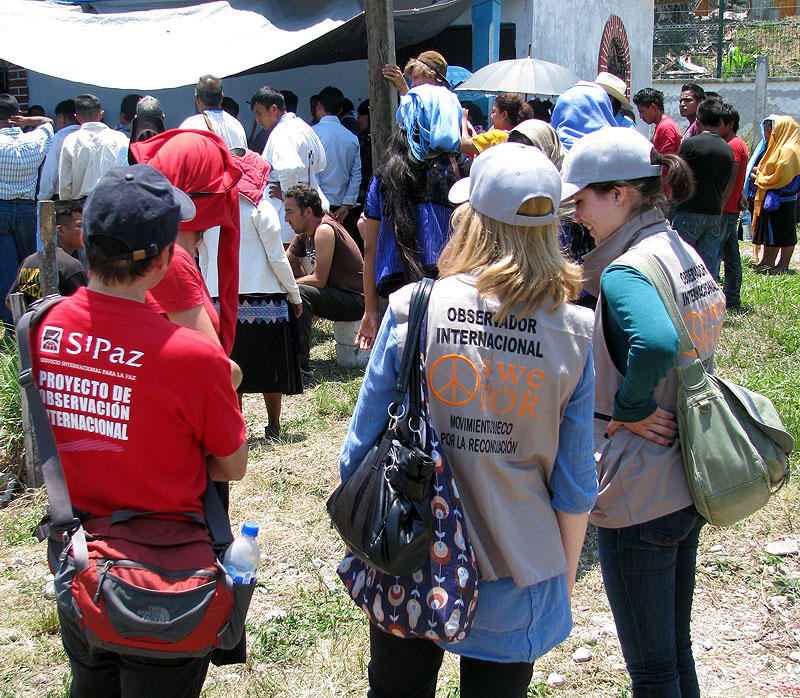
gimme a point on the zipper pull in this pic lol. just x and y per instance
(101, 577)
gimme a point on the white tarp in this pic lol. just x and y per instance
(143, 45)
(145, 50)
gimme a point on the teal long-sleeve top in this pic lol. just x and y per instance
(641, 339)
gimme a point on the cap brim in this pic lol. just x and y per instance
(459, 192)
(188, 209)
(568, 190)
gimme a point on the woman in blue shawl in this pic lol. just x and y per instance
(581, 109)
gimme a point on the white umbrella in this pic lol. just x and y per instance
(530, 76)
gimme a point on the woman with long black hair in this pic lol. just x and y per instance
(407, 211)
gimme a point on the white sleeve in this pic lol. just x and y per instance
(65, 170)
(268, 225)
(49, 179)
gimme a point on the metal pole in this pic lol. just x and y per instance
(760, 110)
(46, 216)
(720, 31)
(33, 475)
(382, 94)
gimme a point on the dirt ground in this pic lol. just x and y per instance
(307, 640)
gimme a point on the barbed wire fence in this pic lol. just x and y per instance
(717, 43)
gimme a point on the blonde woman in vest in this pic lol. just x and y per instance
(510, 388)
(648, 528)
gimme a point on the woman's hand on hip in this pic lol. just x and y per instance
(660, 427)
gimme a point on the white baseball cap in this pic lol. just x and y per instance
(503, 178)
(609, 154)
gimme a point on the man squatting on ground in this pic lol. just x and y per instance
(335, 289)
(149, 452)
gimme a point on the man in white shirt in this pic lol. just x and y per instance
(89, 152)
(293, 150)
(342, 174)
(208, 97)
(66, 123)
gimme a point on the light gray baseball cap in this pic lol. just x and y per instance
(503, 178)
(607, 155)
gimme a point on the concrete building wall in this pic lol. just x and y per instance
(783, 97)
(350, 77)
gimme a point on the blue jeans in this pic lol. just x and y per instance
(17, 241)
(703, 231)
(648, 572)
(729, 255)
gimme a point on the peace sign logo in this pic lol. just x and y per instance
(694, 323)
(454, 380)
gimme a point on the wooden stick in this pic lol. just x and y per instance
(382, 94)
(48, 277)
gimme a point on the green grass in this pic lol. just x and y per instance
(314, 615)
(12, 444)
(761, 350)
(25, 513)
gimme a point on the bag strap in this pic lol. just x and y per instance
(61, 514)
(410, 361)
(62, 517)
(646, 263)
(208, 122)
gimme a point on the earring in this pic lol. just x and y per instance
(616, 202)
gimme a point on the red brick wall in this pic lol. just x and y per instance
(18, 85)
(615, 29)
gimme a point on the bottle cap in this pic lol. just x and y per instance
(250, 529)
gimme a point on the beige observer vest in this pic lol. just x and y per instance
(640, 480)
(497, 395)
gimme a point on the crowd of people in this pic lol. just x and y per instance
(210, 254)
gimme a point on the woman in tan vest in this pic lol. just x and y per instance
(648, 528)
(510, 395)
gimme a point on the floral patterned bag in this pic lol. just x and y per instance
(439, 600)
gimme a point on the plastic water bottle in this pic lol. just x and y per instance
(242, 557)
(747, 226)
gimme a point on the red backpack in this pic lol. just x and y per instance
(140, 583)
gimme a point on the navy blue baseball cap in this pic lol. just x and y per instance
(138, 208)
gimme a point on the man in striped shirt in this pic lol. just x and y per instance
(21, 154)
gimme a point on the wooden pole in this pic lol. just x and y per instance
(33, 474)
(382, 94)
(48, 277)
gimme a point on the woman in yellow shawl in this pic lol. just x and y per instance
(777, 181)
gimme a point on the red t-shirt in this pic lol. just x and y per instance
(667, 136)
(741, 156)
(134, 401)
(182, 288)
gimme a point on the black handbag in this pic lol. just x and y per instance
(383, 510)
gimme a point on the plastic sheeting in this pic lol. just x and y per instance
(150, 45)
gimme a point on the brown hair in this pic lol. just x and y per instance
(518, 265)
(512, 104)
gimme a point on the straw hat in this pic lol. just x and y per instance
(615, 87)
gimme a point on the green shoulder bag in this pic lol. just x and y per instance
(734, 445)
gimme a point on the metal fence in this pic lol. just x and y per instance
(691, 40)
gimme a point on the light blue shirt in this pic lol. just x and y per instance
(20, 157)
(512, 624)
(341, 178)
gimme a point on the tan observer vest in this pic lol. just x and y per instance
(497, 395)
(640, 480)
